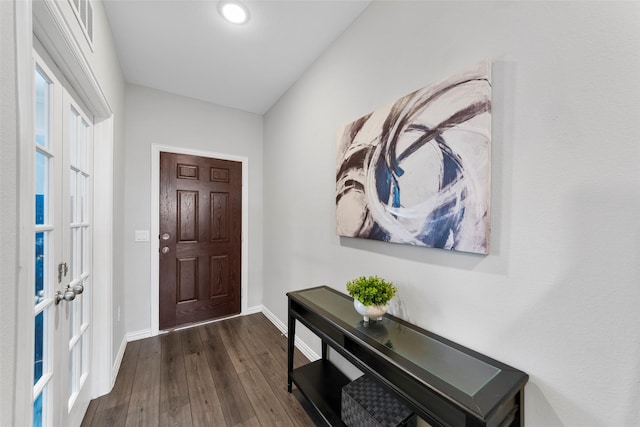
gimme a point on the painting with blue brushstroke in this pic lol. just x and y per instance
(418, 171)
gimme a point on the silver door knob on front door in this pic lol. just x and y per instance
(165, 236)
(165, 250)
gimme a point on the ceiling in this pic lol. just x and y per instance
(185, 47)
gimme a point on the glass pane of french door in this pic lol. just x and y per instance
(44, 150)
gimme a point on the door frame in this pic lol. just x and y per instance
(155, 225)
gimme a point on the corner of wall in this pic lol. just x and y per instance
(118, 361)
(302, 346)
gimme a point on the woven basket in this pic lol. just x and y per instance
(366, 404)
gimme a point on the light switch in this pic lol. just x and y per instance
(142, 235)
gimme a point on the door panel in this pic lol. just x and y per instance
(78, 137)
(187, 280)
(200, 238)
(187, 216)
(62, 231)
(219, 215)
(219, 273)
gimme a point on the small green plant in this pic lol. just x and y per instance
(371, 290)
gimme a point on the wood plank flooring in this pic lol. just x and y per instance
(230, 373)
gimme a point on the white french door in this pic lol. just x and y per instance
(62, 239)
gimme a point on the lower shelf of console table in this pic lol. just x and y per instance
(321, 383)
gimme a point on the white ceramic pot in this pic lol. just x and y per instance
(369, 311)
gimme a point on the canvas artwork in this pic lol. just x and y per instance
(418, 171)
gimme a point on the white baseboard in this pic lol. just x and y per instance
(302, 346)
(272, 317)
(138, 335)
(116, 363)
(253, 310)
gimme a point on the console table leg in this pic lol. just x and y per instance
(519, 421)
(291, 336)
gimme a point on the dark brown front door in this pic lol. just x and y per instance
(200, 238)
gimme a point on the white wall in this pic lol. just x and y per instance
(155, 117)
(107, 69)
(558, 295)
(9, 133)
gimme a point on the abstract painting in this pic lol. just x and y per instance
(418, 171)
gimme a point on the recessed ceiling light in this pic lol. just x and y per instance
(233, 11)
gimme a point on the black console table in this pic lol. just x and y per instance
(445, 383)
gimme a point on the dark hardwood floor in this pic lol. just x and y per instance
(229, 373)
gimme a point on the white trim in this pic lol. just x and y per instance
(302, 346)
(272, 317)
(138, 335)
(117, 362)
(85, 26)
(155, 223)
(102, 322)
(41, 384)
(24, 332)
(253, 310)
(53, 31)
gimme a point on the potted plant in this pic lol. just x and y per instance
(370, 296)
